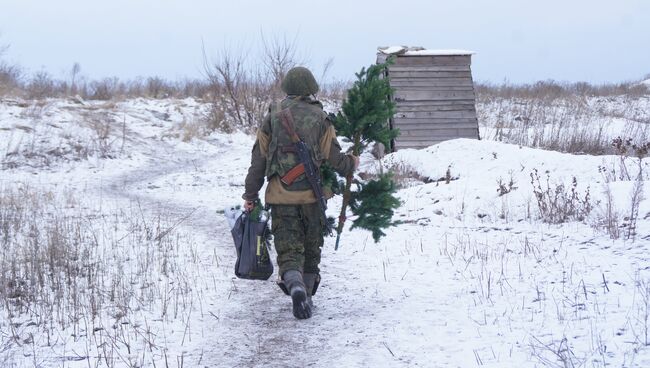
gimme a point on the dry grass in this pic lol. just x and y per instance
(191, 130)
(40, 144)
(630, 166)
(554, 90)
(559, 117)
(534, 284)
(97, 275)
(558, 203)
(10, 75)
(405, 176)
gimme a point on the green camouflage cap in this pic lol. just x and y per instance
(299, 81)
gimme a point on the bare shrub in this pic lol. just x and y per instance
(629, 167)
(279, 57)
(608, 219)
(240, 91)
(504, 187)
(192, 88)
(625, 148)
(227, 77)
(335, 90)
(157, 87)
(41, 86)
(636, 197)
(558, 204)
(10, 75)
(101, 124)
(628, 151)
(239, 94)
(191, 130)
(406, 176)
(74, 78)
(105, 89)
(217, 119)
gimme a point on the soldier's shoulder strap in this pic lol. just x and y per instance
(286, 119)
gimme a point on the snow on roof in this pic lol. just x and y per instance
(421, 51)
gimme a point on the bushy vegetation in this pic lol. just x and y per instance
(240, 90)
(553, 90)
(565, 117)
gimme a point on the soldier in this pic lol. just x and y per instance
(297, 221)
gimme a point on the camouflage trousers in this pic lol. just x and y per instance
(298, 236)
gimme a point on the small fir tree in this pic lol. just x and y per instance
(363, 120)
(374, 204)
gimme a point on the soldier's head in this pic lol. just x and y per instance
(300, 82)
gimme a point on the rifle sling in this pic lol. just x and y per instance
(287, 122)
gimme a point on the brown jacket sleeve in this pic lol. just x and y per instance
(255, 177)
(341, 163)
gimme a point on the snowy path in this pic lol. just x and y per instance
(434, 293)
(249, 323)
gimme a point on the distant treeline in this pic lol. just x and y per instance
(15, 82)
(42, 85)
(230, 74)
(551, 89)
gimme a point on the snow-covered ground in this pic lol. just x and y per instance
(574, 124)
(470, 277)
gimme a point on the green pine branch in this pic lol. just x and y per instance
(367, 110)
(374, 205)
(364, 119)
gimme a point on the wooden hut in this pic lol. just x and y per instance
(434, 95)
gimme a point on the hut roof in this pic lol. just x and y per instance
(420, 51)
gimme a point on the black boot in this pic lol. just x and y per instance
(296, 286)
(311, 283)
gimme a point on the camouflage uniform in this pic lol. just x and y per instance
(297, 223)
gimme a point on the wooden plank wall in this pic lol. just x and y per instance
(434, 98)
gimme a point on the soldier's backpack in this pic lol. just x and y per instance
(252, 242)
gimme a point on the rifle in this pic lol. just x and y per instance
(306, 165)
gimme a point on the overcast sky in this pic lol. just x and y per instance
(514, 40)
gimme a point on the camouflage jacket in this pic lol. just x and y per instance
(271, 156)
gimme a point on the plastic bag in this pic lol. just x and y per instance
(252, 242)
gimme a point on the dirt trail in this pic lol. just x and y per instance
(250, 322)
(369, 304)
